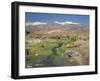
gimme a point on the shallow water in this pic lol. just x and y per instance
(67, 59)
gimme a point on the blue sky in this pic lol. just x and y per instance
(50, 18)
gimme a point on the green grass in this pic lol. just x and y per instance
(44, 48)
(43, 51)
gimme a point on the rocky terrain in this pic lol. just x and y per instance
(53, 45)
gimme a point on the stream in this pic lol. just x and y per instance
(49, 61)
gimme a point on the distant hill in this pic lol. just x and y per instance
(49, 27)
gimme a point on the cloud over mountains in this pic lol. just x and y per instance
(67, 22)
(55, 22)
(35, 23)
(55, 25)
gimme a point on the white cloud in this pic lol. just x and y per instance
(35, 23)
(44, 23)
(67, 22)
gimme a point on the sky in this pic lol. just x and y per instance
(51, 17)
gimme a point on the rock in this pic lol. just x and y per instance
(73, 57)
(71, 53)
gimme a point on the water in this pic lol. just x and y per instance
(57, 60)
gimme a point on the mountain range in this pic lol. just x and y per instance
(66, 26)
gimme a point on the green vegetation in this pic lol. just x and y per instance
(38, 48)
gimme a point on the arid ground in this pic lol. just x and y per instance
(56, 45)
